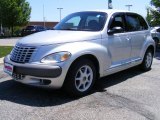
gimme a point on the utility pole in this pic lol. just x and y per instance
(1, 27)
(129, 7)
(60, 12)
(44, 21)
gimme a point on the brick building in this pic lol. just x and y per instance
(46, 24)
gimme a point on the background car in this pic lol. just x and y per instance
(155, 32)
(32, 29)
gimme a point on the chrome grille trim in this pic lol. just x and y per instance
(22, 54)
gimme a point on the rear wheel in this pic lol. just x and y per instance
(147, 60)
(80, 78)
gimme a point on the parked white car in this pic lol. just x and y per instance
(83, 47)
(155, 32)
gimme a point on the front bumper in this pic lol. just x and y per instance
(38, 71)
(37, 74)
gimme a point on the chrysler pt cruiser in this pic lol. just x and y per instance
(83, 47)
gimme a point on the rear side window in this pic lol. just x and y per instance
(143, 23)
(135, 23)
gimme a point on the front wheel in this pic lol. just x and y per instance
(147, 60)
(80, 78)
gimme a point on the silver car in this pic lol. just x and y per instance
(83, 47)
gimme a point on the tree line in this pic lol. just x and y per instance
(14, 13)
(153, 13)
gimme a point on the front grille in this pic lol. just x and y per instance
(22, 54)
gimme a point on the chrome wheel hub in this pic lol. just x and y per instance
(83, 78)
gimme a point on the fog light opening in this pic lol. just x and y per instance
(45, 82)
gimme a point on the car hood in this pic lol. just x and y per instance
(58, 37)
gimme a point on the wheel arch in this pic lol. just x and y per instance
(90, 57)
(151, 47)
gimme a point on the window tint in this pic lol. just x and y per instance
(136, 23)
(133, 23)
(143, 23)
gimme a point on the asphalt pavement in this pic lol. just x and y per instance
(128, 95)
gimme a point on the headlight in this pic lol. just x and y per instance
(56, 57)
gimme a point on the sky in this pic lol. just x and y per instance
(51, 13)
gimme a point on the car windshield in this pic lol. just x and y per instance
(83, 21)
(30, 27)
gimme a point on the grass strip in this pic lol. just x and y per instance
(5, 50)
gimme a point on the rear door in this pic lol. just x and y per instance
(137, 30)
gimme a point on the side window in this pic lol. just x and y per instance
(143, 23)
(133, 23)
(118, 21)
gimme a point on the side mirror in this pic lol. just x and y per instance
(115, 30)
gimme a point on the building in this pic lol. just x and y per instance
(46, 24)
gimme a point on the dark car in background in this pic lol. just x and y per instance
(32, 29)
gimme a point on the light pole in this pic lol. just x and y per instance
(44, 21)
(129, 7)
(60, 14)
(1, 27)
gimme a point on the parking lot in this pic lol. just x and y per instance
(128, 95)
(8, 41)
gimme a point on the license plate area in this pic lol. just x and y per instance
(8, 68)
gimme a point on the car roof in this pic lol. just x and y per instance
(110, 11)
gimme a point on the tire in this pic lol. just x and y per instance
(147, 60)
(80, 78)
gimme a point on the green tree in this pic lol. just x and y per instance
(153, 14)
(14, 13)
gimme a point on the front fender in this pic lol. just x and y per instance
(78, 49)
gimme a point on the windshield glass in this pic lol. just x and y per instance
(83, 21)
(30, 27)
